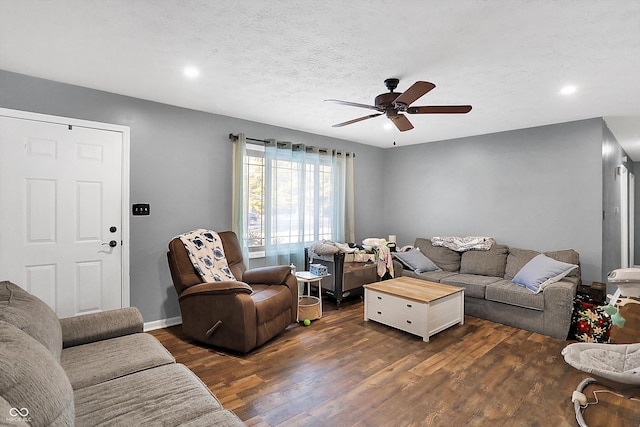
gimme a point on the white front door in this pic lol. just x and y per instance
(61, 213)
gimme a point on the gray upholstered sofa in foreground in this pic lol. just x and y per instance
(490, 293)
(98, 369)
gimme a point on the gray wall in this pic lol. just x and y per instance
(538, 188)
(181, 165)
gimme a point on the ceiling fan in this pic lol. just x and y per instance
(394, 103)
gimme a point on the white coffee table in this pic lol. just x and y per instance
(414, 305)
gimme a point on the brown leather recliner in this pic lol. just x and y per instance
(236, 315)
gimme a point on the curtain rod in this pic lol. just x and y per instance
(234, 138)
(255, 141)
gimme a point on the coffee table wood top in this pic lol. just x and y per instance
(414, 289)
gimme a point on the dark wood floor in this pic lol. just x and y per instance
(342, 371)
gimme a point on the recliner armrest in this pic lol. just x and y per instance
(216, 288)
(273, 275)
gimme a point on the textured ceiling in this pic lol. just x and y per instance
(276, 61)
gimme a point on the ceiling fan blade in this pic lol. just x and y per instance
(401, 122)
(339, 125)
(352, 104)
(440, 109)
(418, 89)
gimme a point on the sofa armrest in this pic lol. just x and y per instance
(216, 288)
(558, 306)
(274, 275)
(100, 326)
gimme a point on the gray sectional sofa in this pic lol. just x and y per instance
(97, 369)
(490, 293)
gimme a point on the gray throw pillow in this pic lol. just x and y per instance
(569, 256)
(416, 261)
(542, 271)
(32, 315)
(517, 259)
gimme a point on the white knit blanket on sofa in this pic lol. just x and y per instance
(207, 255)
(462, 244)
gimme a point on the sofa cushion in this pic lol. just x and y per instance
(507, 292)
(444, 258)
(473, 284)
(491, 262)
(166, 395)
(517, 259)
(431, 276)
(32, 315)
(415, 260)
(541, 271)
(31, 378)
(100, 361)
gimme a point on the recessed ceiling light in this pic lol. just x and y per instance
(568, 90)
(191, 72)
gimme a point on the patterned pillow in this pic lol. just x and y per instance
(589, 322)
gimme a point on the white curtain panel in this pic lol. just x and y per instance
(239, 195)
(306, 199)
(343, 204)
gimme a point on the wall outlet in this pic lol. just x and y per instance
(140, 209)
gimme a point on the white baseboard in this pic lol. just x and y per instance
(162, 323)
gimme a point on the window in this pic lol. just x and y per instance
(286, 196)
(300, 193)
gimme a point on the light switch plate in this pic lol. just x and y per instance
(140, 209)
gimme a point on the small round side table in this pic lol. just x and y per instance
(310, 305)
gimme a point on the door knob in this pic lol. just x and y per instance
(112, 243)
